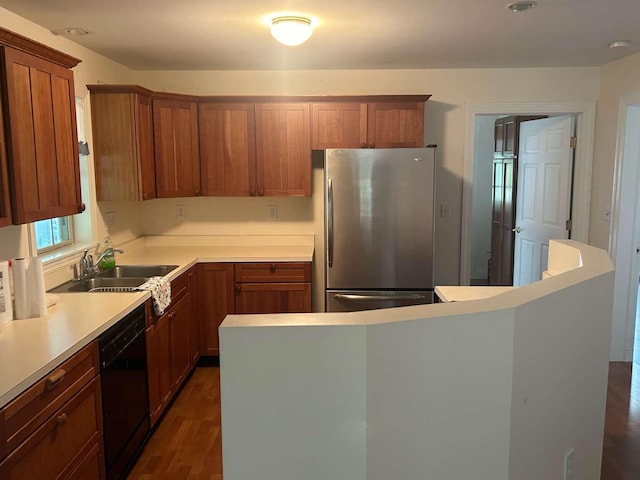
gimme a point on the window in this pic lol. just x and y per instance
(53, 233)
(58, 236)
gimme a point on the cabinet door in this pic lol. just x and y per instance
(123, 146)
(273, 298)
(179, 317)
(5, 205)
(159, 366)
(43, 148)
(62, 442)
(216, 301)
(175, 129)
(338, 125)
(283, 149)
(194, 318)
(395, 125)
(144, 143)
(227, 148)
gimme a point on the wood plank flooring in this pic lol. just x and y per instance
(187, 445)
(621, 443)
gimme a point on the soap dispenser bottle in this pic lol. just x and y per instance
(109, 260)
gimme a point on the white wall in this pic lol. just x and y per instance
(481, 198)
(493, 389)
(93, 68)
(444, 115)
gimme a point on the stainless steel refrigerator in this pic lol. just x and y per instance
(379, 228)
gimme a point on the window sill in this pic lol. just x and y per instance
(65, 255)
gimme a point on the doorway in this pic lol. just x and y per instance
(477, 115)
(624, 234)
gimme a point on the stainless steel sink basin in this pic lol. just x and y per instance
(101, 284)
(146, 271)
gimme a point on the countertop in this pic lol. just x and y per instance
(31, 348)
(459, 294)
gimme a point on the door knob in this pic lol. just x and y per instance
(517, 230)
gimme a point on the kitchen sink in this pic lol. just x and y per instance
(146, 271)
(101, 284)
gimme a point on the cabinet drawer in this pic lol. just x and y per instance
(273, 272)
(27, 412)
(91, 467)
(56, 448)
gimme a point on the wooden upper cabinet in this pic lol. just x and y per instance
(5, 199)
(338, 125)
(395, 125)
(175, 133)
(122, 126)
(283, 149)
(42, 140)
(227, 148)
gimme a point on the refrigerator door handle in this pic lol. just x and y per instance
(329, 222)
(351, 296)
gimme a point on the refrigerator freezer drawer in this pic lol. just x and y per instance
(351, 301)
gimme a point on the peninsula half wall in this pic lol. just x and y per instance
(498, 388)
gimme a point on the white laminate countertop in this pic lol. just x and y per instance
(31, 348)
(459, 294)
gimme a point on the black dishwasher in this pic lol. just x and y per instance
(125, 395)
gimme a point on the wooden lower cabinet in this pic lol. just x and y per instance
(63, 443)
(91, 467)
(171, 353)
(260, 287)
(215, 285)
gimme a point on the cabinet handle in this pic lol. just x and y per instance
(261, 193)
(272, 268)
(252, 193)
(54, 379)
(238, 289)
(363, 145)
(196, 191)
(62, 419)
(81, 208)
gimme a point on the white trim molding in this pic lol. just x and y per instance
(623, 236)
(585, 125)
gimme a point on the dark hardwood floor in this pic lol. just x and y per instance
(187, 445)
(621, 445)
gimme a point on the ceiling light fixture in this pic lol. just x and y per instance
(291, 30)
(620, 44)
(75, 31)
(520, 6)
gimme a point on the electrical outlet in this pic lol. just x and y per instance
(181, 212)
(569, 467)
(110, 219)
(273, 212)
(445, 210)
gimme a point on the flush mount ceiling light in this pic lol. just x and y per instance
(520, 6)
(72, 31)
(620, 44)
(291, 30)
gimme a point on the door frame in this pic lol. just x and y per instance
(625, 221)
(585, 113)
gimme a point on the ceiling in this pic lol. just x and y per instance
(353, 34)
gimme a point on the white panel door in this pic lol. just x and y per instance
(543, 197)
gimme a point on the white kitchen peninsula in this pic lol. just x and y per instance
(496, 388)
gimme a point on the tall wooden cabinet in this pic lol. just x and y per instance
(41, 138)
(122, 126)
(175, 134)
(215, 282)
(503, 197)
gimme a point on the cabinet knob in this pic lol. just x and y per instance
(81, 208)
(252, 193)
(62, 419)
(272, 268)
(238, 289)
(261, 193)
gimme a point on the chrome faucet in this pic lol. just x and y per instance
(107, 251)
(88, 266)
